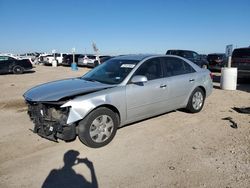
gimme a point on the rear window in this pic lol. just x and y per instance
(182, 53)
(241, 53)
(103, 56)
(91, 56)
(68, 56)
(174, 52)
(212, 57)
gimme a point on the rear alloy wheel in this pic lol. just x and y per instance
(18, 69)
(196, 100)
(98, 128)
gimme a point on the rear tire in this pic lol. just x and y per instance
(196, 101)
(18, 69)
(98, 128)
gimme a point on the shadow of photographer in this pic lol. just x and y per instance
(66, 177)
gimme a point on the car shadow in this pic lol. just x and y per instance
(29, 71)
(25, 72)
(134, 123)
(66, 177)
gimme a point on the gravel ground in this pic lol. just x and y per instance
(176, 149)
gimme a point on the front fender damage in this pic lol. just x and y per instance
(79, 107)
(55, 120)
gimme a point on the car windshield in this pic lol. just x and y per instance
(113, 71)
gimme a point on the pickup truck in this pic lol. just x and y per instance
(241, 60)
(190, 55)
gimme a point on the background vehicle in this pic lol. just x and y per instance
(86, 59)
(241, 60)
(68, 59)
(216, 61)
(50, 58)
(31, 56)
(10, 64)
(102, 60)
(42, 57)
(190, 55)
(122, 90)
(90, 60)
(203, 56)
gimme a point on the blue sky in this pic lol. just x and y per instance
(120, 27)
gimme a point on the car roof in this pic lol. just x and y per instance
(242, 48)
(7, 55)
(137, 57)
(72, 54)
(217, 54)
(181, 50)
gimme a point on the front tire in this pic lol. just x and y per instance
(18, 69)
(196, 101)
(98, 128)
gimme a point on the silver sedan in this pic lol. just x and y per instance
(123, 90)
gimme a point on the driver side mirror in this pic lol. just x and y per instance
(139, 79)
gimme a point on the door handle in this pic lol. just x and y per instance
(191, 80)
(163, 86)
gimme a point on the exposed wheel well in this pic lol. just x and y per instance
(114, 109)
(203, 89)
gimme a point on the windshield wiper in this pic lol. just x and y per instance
(89, 79)
(94, 80)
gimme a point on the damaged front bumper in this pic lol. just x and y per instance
(50, 121)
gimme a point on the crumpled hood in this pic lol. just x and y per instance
(54, 91)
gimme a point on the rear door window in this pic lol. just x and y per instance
(174, 66)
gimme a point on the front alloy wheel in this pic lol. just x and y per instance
(98, 128)
(101, 128)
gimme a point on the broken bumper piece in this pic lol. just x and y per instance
(50, 121)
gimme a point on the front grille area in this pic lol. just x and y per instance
(50, 121)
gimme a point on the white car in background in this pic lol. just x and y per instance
(58, 56)
(42, 57)
(88, 60)
(30, 56)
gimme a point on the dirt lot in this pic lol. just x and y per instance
(173, 150)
